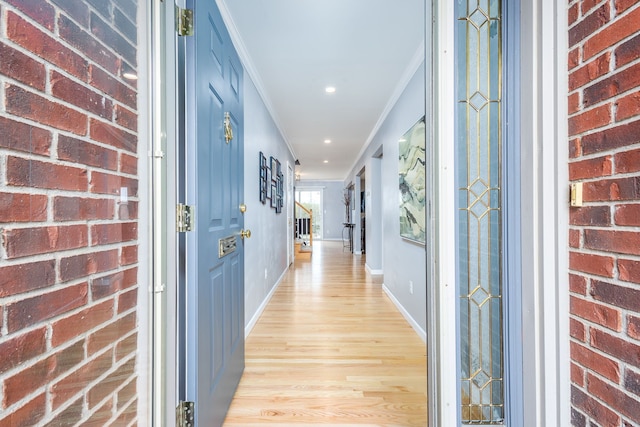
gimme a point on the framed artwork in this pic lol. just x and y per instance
(411, 167)
(263, 178)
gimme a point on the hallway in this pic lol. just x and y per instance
(331, 349)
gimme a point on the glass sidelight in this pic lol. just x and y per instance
(479, 202)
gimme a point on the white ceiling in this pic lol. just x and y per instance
(293, 49)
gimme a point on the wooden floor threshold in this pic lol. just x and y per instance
(331, 349)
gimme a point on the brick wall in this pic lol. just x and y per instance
(604, 235)
(68, 248)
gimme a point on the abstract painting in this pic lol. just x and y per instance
(412, 182)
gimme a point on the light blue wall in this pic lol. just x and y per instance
(266, 250)
(334, 209)
(402, 261)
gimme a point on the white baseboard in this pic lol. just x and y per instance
(258, 313)
(372, 271)
(421, 333)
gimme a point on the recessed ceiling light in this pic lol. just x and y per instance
(326, 161)
(330, 89)
(327, 141)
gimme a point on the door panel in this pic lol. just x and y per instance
(214, 186)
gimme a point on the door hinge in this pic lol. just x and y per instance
(184, 21)
(185, 414)
(184, 218)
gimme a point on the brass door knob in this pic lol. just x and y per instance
(243, 208)
(245, 234)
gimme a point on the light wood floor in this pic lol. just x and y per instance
(331, 349)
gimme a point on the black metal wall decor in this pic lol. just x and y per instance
(271, 182)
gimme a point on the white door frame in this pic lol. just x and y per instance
(544, 205)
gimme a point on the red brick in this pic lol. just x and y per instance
(78, 324)
(127, 211)
(29, 380)
(594, 264)
(577, 330)
(625, 242)
(595, 362)
(70, 416)
(37, 10)
(21, 349)
(77, 209)
(628, 51)
(110, 37)
(18, 279)
(100, 417)
(591, 215)
(589, 120)
(110, 333)
(18, 207)
(627, 161)
(108, 285)
(36, 174)
(105, 234)
(127, 393)
(23, 137)
(80, 378)
(620, 29)
(573, 103)
(633, 327)
(127, 415)
(574, 238)
(597, 313)
(127, 300)
(111, 383)
(75, 9)
(577, 375)
(575, 148)
(574, 58)
(113, 87)
(622, 5)
(629, 270)
(81, 96)
(573, 14)
(126, 118)
(113, 136)
(623, 350)
(34, 310)
(609, 139)
(621, 402)
(86, 153)
(591, 168)
(589, 72)
(21, 67)
(39, 240)
(628, 106)
(88, 45)
(129, 255)
(27, 415)
(104, 183)
(127, 347)
(45, 46)
(612, 189)
(128, 164)
(78, 266)
(619, 296)
(125, 24)
(632, 382)
(613, 85)
(603, 415)
(31, 106)
(589, 25)
(577, 284)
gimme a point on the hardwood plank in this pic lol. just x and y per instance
(331, 349)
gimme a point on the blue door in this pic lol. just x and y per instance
(214, 297)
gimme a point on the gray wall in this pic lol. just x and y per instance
(334, 209)
(400, 260)
(266, 250)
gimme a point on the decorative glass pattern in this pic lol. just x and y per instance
(479, 43)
